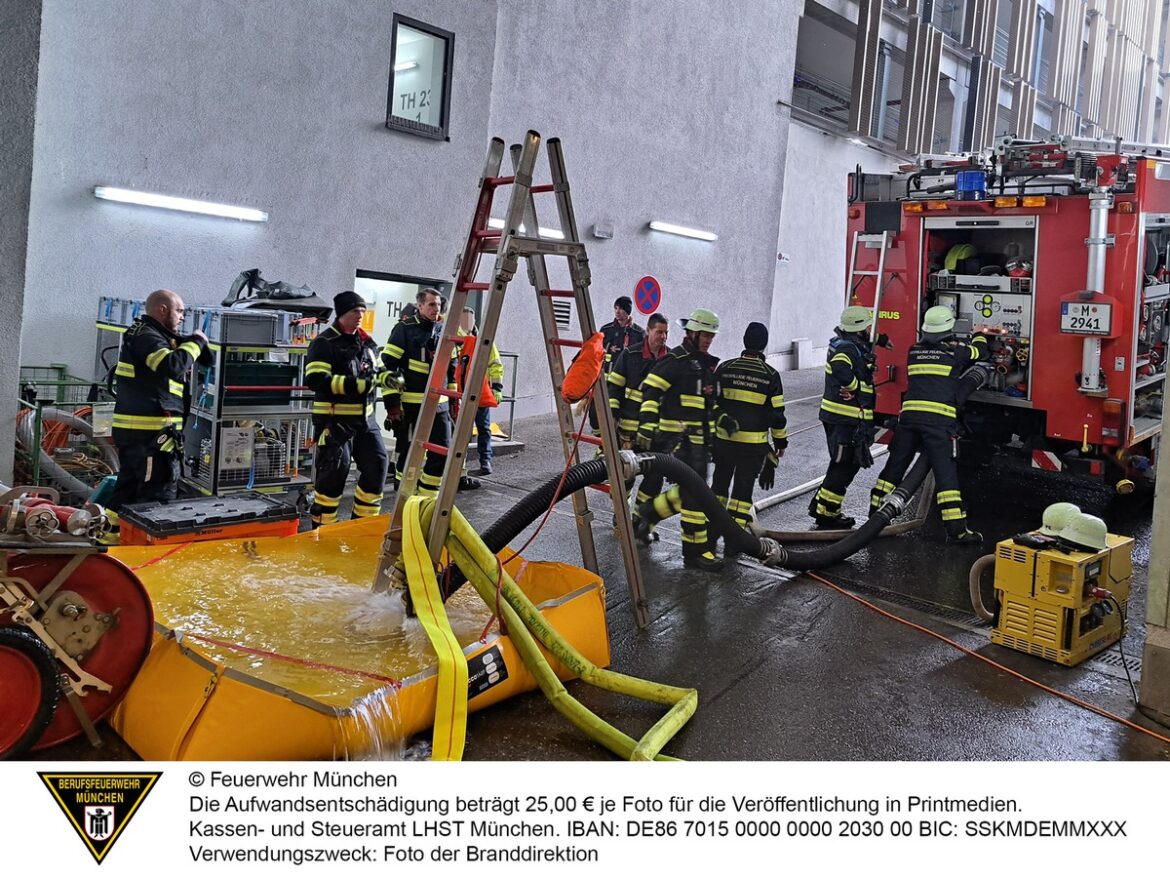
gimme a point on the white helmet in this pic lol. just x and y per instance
(702, 320)
(1057, 516)
(1086, 532)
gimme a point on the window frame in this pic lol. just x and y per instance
(399, 123)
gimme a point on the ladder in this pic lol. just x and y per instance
(860, 238)
(520, 237)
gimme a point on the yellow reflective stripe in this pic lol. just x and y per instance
(691, 401)
(419, 366)
(649, 405)
(366, 497)
(629, 425)
(779, 432)
(949, 497)
(318, 367)
(414, 398)
(838, 408)
(866, 388)
(146, 422)
(747, 436)
(952, 514)
(392, 351)
(191, 347)
(634, 395)
(748, 396)
(884, 486)
(337, 384)
(126, 370)
(693, 517)
(670, 426)
(841, 358)
(175, 387)
(615, 403)
(826, 494)
(778, 401)
(927, 369)
(932, 408)
(617, 379)
(342, 408)
(366, 510)
(325, 500)
(656, 381)
(156, 357)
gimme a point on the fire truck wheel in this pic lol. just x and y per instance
(28, 690)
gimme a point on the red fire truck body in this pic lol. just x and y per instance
(1064, 254)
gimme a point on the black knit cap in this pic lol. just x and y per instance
(756, 337)
(624, 303)
(346, 302)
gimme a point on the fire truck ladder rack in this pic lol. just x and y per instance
(519, 237)
(856, 277)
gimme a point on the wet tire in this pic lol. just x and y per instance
(28, 690)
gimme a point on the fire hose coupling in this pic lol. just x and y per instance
(772, 554)
(631, 464)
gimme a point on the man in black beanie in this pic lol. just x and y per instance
(751, 431)
(341, 368)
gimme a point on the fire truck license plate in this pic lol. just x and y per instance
(1086, 318)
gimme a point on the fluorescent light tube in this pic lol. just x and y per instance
(672, 229)
(405, 65)
(494, 223)
(169, 202)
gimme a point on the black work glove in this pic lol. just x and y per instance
(727, 424)
(768, 473)
(497, 387)
(393, 418)
(883, 341)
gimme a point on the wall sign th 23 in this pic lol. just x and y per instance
(416, 102)
(1086, 318)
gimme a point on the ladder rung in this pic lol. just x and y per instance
(603, 487)
(567, 342)
(542, 187)
(559, 294)
(499, 181)
(438, 449)
(450, 394)
(471, 287)
(457, 340)
(485, 233)
(586, 438)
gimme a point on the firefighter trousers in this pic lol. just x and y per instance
(843, 467)
(737, 466)
(432, 475)
(340, 441)
(676, 501)
(146, 474)
(938, 442)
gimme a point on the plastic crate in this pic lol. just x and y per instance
(114, 311)
(256, 328)
(242, 516)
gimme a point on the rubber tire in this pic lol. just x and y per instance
(18, 643)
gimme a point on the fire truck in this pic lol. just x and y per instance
(1061, 248)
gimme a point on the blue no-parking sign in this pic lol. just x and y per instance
(648, 295)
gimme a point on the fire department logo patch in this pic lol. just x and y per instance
(99, 806)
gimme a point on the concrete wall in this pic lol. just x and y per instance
(270, 104)
(668, 112)
(812, 251)
(20, 25)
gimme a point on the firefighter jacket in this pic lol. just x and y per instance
(342, 371)
(933, 370)
(624, 381)
(617, 338)
(848, 397)
(409, 354)
(752, 395)
(152, 369)
(678, 396)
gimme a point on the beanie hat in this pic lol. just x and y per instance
(346, 302)
(756, 337)
(624, 303)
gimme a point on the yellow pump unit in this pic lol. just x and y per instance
(1058, 603)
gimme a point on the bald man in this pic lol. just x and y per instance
(153, 373)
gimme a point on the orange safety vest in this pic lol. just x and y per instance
(487, 399)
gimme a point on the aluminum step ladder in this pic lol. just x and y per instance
(520, 237)
(856, 277)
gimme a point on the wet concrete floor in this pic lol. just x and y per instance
(789, 669)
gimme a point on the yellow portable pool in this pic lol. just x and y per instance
(275, 648)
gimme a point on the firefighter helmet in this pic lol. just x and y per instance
(856, 318)
(1056, 517)
(956, 255)
(938, 319)
(702, 320)
(1086, 532)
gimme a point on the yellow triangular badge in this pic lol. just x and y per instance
(99, 805)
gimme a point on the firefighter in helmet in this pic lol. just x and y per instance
(751, 432)
(929, 421)
(341, 368)
(847, 413)
(677, 412)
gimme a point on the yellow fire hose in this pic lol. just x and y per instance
(528, 630)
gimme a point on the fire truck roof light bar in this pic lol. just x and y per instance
(672, 229)
(188, 205)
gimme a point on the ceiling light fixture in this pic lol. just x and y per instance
(189, 205)
(405, 65)
(672, 229)
(494, 223)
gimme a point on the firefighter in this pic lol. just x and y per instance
(929, 419)
(625, 395)
(678, 406)
(618, 335)
(341, 368)
(408, 354)
(153, 400)
(751, 432)
(847, 413)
